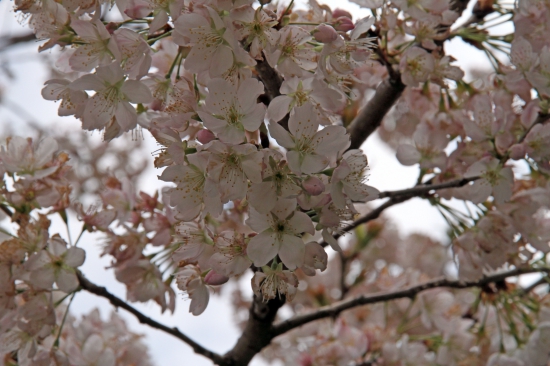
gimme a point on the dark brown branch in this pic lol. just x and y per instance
(102, 291)
(336, 309)
(258, 332)
(272, 81)
(372, 114)
(6, 42)
(427, 188)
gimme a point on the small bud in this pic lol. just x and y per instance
(337, 13)
(111, 27)
(215, 279)
(343, 24)
(325, 33)
(313, 186)
(205, 136)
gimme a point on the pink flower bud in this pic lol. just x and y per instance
(215, 279)
(343, 24)
(325, 33)
(313, 186)
(337, 13)
(111, 27)
(205, 136)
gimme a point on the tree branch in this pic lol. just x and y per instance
(372, 114)
(6, 42)
(336, 309)
(258, 332)
(426, 188)
(102, 291)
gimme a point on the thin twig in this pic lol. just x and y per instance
(102, 291)
(427, 188)
(336, 309)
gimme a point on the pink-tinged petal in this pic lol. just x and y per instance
(254, 119)
(478, 192)
(248, 92)
(284, 207)
(84, 29)
(252, 167)
(37, 261)
(313, 163)
(158, 22)
(93, 348)
(189, 251)
(262, 248)
(327, 237)
(111, 74)
(45, 150)
(262, 197)
(126, 116)
(301, 223)
(199, 58)
(57, 246)
(107, 358)
(337, 195)
(75, 257)
(278, 108)
(294, 160)
(214, 278)
(330, 140)
(215, 124)
(408, 154)
(259, 222)
(87, 82)
(66, 280)
(199, 300)
(222, 60)
(303, 123)
(136, 92)
(281, 135)
(476, 169)
(291, 252)
(43, 278)
(54, 89)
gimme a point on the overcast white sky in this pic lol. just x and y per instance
(214, 328)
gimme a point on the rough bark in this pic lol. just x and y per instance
(372, 114)
(257, 334)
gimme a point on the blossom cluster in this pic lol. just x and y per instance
(252, 106)
(40, 270)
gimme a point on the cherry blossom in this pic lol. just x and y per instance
(229, 111)
(56, 264)
(309, 150)
(278, 233)
(112, 99)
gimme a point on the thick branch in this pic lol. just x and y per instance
(336, 309)
(102, 291)
(372, 114)
(272, 81)
(258, 332)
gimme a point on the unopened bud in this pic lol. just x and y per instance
(325, 33)
(205, 136)
(337, 13)
(313, 186)
(343, 24)
(215, 279)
